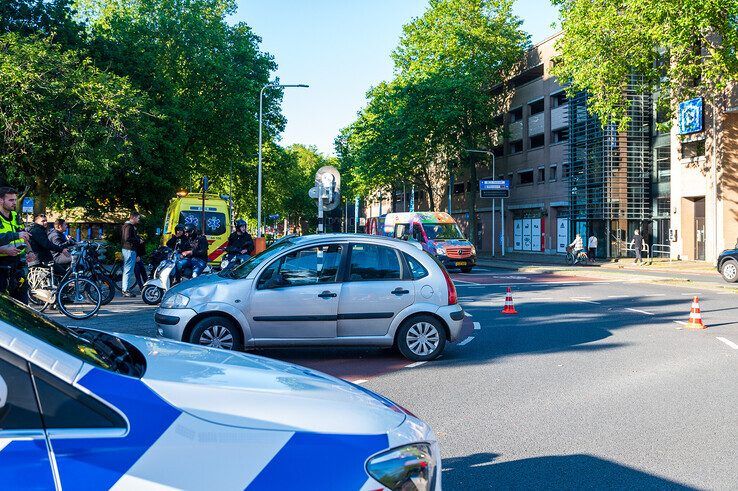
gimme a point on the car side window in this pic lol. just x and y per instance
(371, 262)
(309, 266)
(65, 406)
(18, 407)
(417, 270)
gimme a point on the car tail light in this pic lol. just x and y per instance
(453, 298)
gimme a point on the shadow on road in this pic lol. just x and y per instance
(479, 471)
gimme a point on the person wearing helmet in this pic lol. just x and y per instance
(176, 242)
(196, 254)
(240, 242)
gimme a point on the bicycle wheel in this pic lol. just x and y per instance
(78, 298)
(40, 295)
(106, 287)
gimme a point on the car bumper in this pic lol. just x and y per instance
(453, 316)
(171, 323)
(462, 262)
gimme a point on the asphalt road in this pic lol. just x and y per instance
(594, 384)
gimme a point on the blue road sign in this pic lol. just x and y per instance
(690, 116)
(28, 205)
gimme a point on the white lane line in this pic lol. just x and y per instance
(691, 294)
(361, 381)
(465, 283)
(416, 364)
(640, 311)
(584, 301)
(681, 323)
(477, 326)
(728, 342)
(655, 295)
(466, 341)
(617, 296)
(467, 314)
(538, 298)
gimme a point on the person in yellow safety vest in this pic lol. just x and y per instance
(13, 242)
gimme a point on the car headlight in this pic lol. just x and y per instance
(408, 468)
(474, 251)
(441, 250)
(176, 301)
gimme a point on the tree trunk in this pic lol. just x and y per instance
(42, 196)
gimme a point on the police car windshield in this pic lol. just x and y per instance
(442, 231)
(96, 348)
(242, 271)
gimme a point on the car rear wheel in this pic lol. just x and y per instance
(216, 332)
(729, 271)
(421, 338)
(466, 270)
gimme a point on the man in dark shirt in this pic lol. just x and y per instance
(196, 256)
(58, 237)
(240, 242)
(637, 245)
(40, 243)
(131, 243)
(176, 241)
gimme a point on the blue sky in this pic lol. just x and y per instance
(341, 48)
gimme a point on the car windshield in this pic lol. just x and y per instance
(96, 348)
(442, 231)
(242, 271)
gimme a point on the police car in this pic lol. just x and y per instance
(81, 408)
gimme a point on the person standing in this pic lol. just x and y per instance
(131, 243)
(592, 247)
(13, 241)
(637, 245)
(139, 269)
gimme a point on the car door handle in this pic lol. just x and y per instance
(327, 294)
(399, 291)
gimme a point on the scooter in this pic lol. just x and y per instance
(165, 276)
(231, 260)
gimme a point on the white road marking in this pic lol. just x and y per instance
(360, 381)
(617, 296)
(655, 295)
(467, 314)
(477, 326)
(681, 323)
(728, 342)
(464, 283)
(640, 311)
(584, 301)
(539, 298)
(691, 294)
(466, 341)
(416, 364)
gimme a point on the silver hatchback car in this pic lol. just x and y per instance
(321, 290)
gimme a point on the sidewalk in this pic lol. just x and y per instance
(517, 260)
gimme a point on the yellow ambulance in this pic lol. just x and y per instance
(187, 210)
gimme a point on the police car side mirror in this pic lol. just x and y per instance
(3, 393)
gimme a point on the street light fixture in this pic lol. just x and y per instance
(258, 185)
(502, 202)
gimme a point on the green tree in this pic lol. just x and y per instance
(682, 47)
(72, 133)
(202, 75)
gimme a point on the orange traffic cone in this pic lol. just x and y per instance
(509, 307)
(695, 316)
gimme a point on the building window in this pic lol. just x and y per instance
(536, 107)
(536, 141)
(498, 151)
(459, 188)
(516, 115)
(663, 164)
(691, 150)
(510, 179)
(565, 170)
(552, 173)
(558, 99)
(663, 205)
(525, 177)
(541, 175)
(516, 146)
(559, 136)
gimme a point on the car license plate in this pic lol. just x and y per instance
(461, 263)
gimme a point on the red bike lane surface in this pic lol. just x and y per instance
(518, 278)
(352, 364)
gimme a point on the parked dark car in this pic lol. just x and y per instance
(727, 265)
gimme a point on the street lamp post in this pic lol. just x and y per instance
(258, 185)
(502, 204)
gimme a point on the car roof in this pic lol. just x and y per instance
(376, 239)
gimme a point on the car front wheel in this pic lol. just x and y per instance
(421, 338)
(729, 271)
(216, 332)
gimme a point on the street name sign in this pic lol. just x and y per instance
(489, 188)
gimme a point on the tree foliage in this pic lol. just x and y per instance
(416, 127)
(683, 47)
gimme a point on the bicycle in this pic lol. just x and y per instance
(76, 296)
(90, 265)
(581, 257)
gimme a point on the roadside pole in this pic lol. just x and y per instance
(356, 215)
(493, 228)
(320, 208)
(502, 216)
